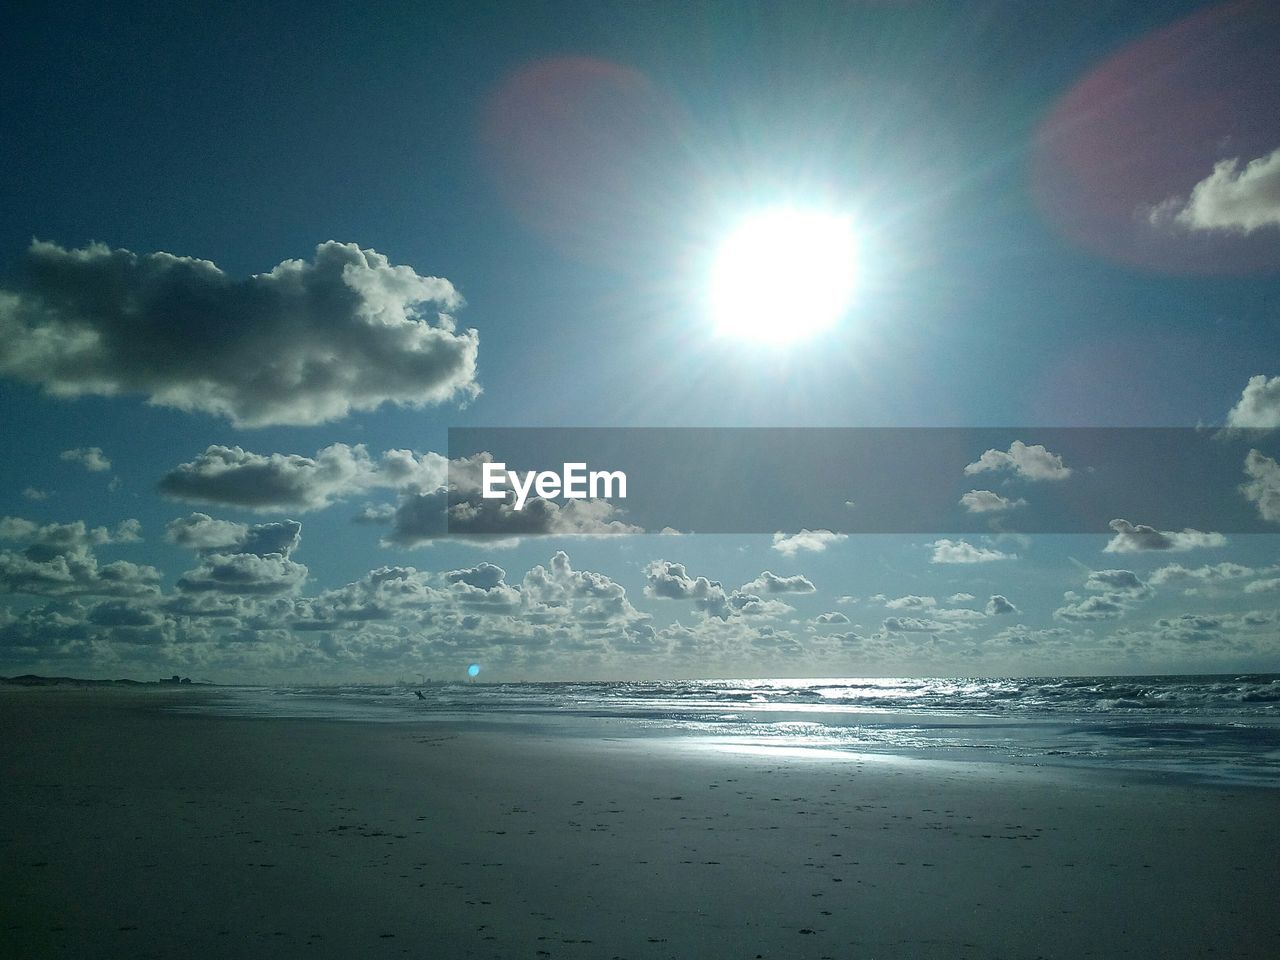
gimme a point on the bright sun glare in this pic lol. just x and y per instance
(783, 274)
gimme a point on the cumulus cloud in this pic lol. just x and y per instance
(34, 493)
(961, 551)
(58, 560)
(672, 581)
(1229, 199)
(813, 541)
(1028, 462)
(999, 606)
(988, 501)
(204, 534)
(1106, 606)
(91, 458)
(1124, 582)
(593, 599)
(1259, 405)
(834, 616)
(1138, 537)
(239, 560)
(233, 476)
(769, 582)
(1263, 488)
(1271, 585)
(484, 576)
(305, 343)
(244, 574)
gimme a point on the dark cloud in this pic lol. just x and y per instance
(204, 534)
(1191, 628)
(484, 576)
(999, 606)
(233, 476)
(428, 511)
(1124, 582)
(244, 574)
(58, 560)
(1106, 606)
(305, 343)
(240, 560)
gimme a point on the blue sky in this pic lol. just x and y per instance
(1048, 236)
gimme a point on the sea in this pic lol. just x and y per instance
(1222, 729)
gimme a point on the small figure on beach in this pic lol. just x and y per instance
(419, 694)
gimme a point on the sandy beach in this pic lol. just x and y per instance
(127, 830)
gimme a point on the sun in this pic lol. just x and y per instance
(783, 274)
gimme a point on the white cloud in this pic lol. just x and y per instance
(1230, 198)
(1028, 462)
(34, 493)
(961, 551)
(814, 541)
(826, 619)
(911, 602)
(960, 598)
(91, 458)
(1263, 586)
(305, 343)
(1177, 573)
(1263, 487)
(769, 582)
(1259, 405)
(988, 501)
(1138, 537)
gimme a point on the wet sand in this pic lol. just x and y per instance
(129, 831)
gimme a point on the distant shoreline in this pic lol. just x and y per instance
(33, 680)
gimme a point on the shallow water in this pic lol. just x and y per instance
(1218, 728)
